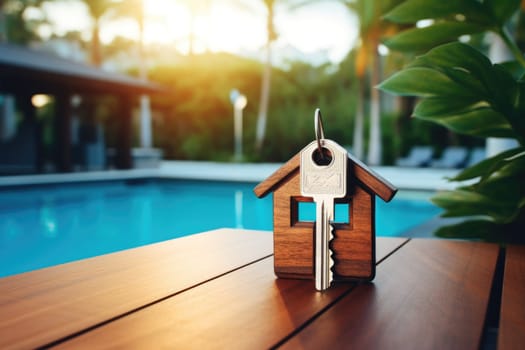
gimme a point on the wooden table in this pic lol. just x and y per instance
(218, 290)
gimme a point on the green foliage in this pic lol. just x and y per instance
(18, 29)
(450, 20)
(458, 87)
(421, 39)
(197, 118)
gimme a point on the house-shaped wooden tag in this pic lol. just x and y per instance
(353, 245)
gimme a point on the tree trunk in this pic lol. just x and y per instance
(146, 135)
(142, 53)
(375, 143)
(357, 147)
(96, 56)
(191, 35)
(264, 102)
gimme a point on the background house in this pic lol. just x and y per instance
(74, 87)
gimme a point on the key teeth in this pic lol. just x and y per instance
(330, 239)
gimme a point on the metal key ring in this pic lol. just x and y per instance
(319, 131)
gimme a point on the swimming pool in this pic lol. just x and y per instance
(47, 225)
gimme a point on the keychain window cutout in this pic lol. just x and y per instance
(306, 212)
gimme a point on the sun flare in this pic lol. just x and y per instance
(235, 27)
(216, 27)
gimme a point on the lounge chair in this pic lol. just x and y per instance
(476, 156)
(452, 157)
(419, 156)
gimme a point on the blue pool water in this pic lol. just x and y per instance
(47, 225)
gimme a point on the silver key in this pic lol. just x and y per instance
(323, 177)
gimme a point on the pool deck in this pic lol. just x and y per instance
(420, 179)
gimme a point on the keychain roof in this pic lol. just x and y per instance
(381, 187)
(375, 182)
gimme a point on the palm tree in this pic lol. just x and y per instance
(135, 10)
(97, 10)
(271, 36)
(264, 100)
(367, 62)
(371, 30)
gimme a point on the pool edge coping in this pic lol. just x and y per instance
(420, 179)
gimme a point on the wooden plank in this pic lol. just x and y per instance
(248, 308)
(42, 306)
(430, 294)
(512, 315)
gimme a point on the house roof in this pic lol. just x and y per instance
(30, 71)
(381, 187)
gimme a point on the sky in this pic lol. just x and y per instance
(230, 26)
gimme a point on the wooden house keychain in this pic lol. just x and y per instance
(325, 173)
